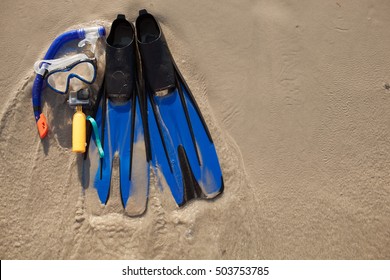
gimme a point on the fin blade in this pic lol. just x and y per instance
(191, 186)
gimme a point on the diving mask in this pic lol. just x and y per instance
(69, 73)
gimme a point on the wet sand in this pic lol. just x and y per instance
(296, 96)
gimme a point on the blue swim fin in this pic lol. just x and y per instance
(120, 123)
(180, 145)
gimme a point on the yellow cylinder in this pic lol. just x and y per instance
(79, 131)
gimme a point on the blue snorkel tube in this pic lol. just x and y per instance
(85, 34)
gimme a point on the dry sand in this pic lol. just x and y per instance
(295, 96)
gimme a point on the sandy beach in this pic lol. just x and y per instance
(296, 95)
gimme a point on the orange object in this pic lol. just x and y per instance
(42, 126)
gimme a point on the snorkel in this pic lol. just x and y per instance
(89, 35)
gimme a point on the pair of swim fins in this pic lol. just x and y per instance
(148, 117)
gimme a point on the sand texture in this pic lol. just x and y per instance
(296, 95)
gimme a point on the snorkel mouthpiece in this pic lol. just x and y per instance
(42, 126)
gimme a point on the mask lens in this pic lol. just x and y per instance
(58, 81)
(84, 71)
